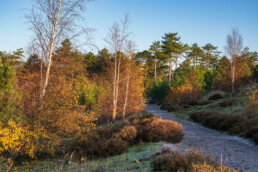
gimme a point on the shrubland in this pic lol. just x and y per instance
(195, 161)
(62, 101)
(78, 99)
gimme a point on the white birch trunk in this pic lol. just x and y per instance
(50, 53)
(127, 88)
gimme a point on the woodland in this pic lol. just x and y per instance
(59, 102)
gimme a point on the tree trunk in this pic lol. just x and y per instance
(117, 80)
(127, 88)
(50, 53)
(155, 71)
(175, 68)
(114, 89)
(170, 69)
(233, 77)
(208, 60)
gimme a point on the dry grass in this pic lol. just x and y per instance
(190, 161)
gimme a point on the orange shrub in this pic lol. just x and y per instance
(128, 133)
(169, 131)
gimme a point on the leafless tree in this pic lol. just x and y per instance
(116, 39)
(52, 21)
(233, 48)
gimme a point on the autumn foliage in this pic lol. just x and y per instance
(78, 98)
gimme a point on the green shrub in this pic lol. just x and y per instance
(158, 92)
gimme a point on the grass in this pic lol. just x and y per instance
(238, 108)
(135, 159)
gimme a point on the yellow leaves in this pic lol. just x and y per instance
(83, 158)
(204, 167)
(16, 139)
(252, 102)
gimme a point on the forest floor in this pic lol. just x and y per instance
(235, 152)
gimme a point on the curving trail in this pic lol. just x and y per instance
(236, 152)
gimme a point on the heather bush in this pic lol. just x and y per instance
(233, 124)
(199, 116)
(226, 103)
(176, 161)
(215, 96)
(162, 162)
(116, 139)
(203, 102)
(128, 133)
(250, 133)
(169, 131)
(233, 121)
(115, 146)
(255, 138)
(171, 107)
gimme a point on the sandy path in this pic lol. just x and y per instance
(236, 152)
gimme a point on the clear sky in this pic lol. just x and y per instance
(200, 21)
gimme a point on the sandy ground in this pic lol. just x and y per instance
(236, 152)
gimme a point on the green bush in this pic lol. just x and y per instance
(158, 92)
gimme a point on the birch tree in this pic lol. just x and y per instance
(116, 39)
(233, 47)
(52, 21)
(130, 51)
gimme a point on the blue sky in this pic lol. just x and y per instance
(200, 21)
